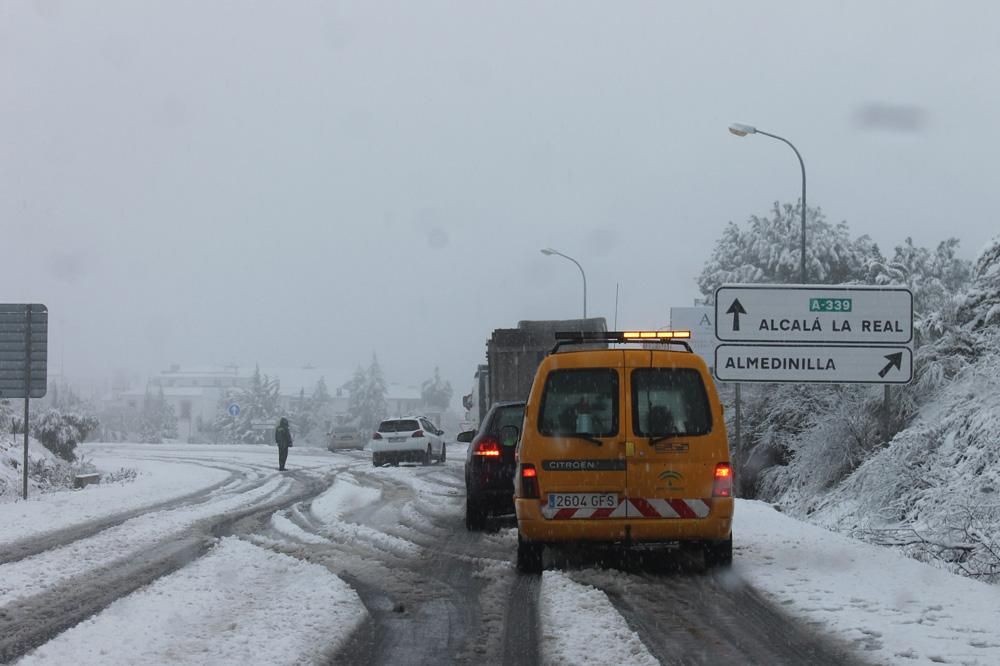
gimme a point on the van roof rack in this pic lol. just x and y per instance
(590, 337)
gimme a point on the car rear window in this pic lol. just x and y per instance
(403, 425)
(342, 430)
(507, 416)
(578, 402)
(668, 402)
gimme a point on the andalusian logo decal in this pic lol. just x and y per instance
(670, 476)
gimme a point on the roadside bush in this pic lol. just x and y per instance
(60, 433)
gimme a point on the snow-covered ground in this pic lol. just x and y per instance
(896, 609)
(245, 603)
(893, 609)
(239, 604)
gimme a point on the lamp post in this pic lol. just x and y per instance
(743, 130)
(549, 251)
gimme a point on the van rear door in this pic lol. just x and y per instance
(669, 419)
(582, 472)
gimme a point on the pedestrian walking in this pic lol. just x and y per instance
(283, 438)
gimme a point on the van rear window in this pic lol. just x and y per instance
(669, 402)
(577, 402)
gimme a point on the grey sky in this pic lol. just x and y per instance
(291, 182)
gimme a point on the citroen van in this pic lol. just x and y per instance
(623, 444)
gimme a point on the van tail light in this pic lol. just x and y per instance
(377, 436)
(488, 447)
(419, 433)
(529, 481)
(723, 486)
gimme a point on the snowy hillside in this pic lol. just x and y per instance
(935, 490)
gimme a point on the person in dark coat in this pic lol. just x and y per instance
(283, 438)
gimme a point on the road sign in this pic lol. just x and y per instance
(814, 314)
(23, 350)
(234, 410)
(846, 364)
(701, 322)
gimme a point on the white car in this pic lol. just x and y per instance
(410, 438)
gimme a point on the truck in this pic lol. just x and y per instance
(512, 357)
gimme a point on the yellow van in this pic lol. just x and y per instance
(623, 445)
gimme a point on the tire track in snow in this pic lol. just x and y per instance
(28, 622)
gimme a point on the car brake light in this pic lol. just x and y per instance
(377, 436)
(723, 486)
(488, 447)
(419, 433)
(529, 481)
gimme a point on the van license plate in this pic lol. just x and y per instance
(583, 500)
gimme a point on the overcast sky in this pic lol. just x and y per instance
(303, 182)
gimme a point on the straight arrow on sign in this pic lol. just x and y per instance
(736, 309)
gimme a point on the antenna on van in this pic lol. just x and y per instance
(616, 306)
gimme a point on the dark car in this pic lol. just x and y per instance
(490, 464)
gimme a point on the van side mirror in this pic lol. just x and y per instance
(466, 436)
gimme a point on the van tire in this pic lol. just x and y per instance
(377, 460)
(719, 553)
(529, 556)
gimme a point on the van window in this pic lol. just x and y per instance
(580, 402)
(669, 401)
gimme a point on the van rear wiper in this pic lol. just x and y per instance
(584, 436)
(653, 441)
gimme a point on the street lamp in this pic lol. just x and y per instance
(743, 130)
(549, 252)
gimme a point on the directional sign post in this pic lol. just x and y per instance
(870, 364)
(814, 333)
(23, 359)
(814, 314)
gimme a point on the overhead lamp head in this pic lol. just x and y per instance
(548, 251)
(742, 130)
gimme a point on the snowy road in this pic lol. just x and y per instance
(211, 556)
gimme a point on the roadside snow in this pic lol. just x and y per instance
(21, 578)
(157, 482)
(579, 625)
(894, 609)
(239, 604)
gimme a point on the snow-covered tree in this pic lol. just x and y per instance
(935, 277)
(768, 250)
(367, 404)
(980, 308)
(258, 403)
(435, 392)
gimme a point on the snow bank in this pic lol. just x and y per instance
(579, 625)
(157, 482)
(11, 472)
(894, 609)
(239, 604)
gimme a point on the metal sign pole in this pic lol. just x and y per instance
(739, 433)
(27, 391)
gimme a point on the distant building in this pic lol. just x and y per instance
(194, 393)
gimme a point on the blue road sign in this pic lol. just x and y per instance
(234, 410)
